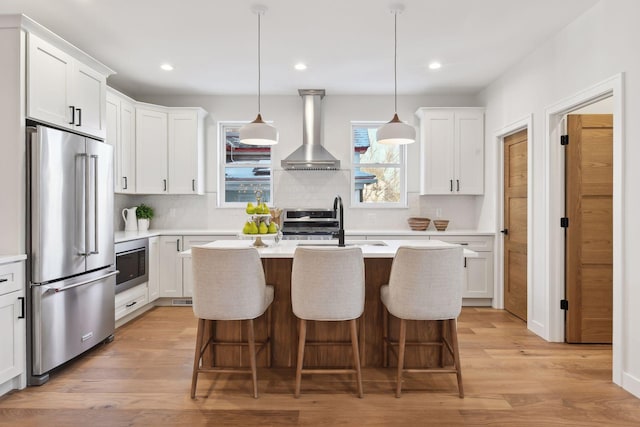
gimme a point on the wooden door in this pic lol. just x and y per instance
(515, 224)
(589, 237)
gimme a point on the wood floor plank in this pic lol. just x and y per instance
(511, 377)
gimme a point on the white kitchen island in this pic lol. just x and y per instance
(277, 260)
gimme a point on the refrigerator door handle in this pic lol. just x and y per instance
(75, 285)
(95, 205)
(84, 225)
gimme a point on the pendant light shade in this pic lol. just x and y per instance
(396, 131)
(258, 132)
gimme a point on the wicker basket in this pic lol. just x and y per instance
(418, 224)
(440, 224)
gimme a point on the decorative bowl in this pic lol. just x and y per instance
(440, 224)
(418, 224)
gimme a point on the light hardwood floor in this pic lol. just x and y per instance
(511, 377)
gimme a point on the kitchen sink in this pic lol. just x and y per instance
(348, 243)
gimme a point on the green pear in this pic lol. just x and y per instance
(250, 208)
(253, 228)
(263, 229)
(273, 228)
(265, 209)
(247, 227)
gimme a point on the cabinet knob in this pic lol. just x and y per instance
(505, 231)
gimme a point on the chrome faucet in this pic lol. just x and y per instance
(337, 203)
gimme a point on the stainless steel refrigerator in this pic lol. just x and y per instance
(70, 245)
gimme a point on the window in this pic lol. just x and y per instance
(244, 169)
(378, 169)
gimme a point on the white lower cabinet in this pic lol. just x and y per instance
(12, 327)
(170, 266)
(176, 276)
(131, 300)
(478, 270)
(154, 268)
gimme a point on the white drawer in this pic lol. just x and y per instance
(130, 300)
(11, 277)
(474, 243)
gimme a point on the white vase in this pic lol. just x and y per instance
(143, 224)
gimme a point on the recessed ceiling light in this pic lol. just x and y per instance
(167, 67)
(435, 65)
(300, 66)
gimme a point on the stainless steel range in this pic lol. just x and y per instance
(310, 223)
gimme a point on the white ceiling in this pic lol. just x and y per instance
(347, 44)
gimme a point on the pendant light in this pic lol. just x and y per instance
(396, 131)
(258, 132)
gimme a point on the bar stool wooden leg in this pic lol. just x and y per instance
(356, 355)
(301, 341)
(196, 357)
(252, 357)
(269, 336)
(385, 336)
(401, 343)
(453, 331)
(444, 326)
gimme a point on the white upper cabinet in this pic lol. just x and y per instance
(169, 150)
(63, 91)
(452, 150)
(151, 151)
(121, 128)
(186, 152)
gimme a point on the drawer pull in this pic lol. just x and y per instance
(464, 244)
(131, 304)
(4, 280)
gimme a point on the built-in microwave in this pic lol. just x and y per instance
(132, 263)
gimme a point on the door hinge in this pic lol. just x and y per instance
(564, 304)
(564, 222)
(564, 140)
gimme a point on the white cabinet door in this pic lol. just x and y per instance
(63, 91)
(479, 276)
(49, 77)
(151, 151)
(88, 99)
(469, 156)
(170, 266)
(127, 147)
(12, 333)
(113, 137)
(437, 159)
(154, 268)
(452, 157)
(185, 148)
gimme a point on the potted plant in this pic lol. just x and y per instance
(144, 214)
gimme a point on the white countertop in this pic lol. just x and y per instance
(122, 236)
(286, 248)
(6, 259)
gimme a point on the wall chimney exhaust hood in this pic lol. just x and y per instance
(311, 155)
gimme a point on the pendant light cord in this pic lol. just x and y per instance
(258, 62)
(395, 61)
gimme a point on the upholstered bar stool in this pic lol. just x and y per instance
(327, 284)
(425, 284)
(228, 284)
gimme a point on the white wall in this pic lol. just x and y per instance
(599, 44)
(307, 188)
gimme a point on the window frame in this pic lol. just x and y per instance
(222, 165)
(402, 166)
